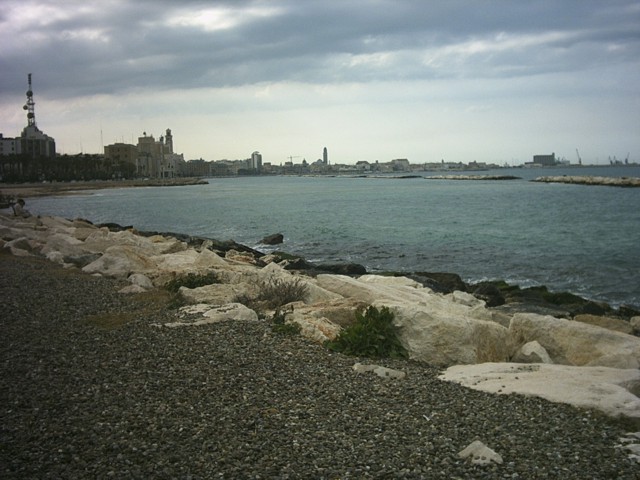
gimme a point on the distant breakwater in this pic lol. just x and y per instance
(592, 180)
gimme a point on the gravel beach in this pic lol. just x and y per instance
(92, 389)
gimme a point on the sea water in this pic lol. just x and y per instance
(582, 239)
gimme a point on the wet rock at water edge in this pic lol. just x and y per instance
(273, 239)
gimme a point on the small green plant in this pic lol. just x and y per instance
(372, 335)
(191, 280)
(279, 324)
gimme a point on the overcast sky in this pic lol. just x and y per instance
(459, 80)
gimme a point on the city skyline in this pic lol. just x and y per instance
(428, 81)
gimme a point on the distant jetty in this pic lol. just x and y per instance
(26, 190)
(473, 177)
(592, 180)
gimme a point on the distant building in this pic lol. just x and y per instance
(546, 160)
(32, 143)
(325, 156)
(363, 166)
(255, 163)
(121, 152)
(151, 158)
(400, 165)
(9, 146)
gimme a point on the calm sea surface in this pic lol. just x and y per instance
(583, 239)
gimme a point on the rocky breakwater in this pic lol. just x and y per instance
(564, 360)
(591, 180)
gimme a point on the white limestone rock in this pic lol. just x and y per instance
(214, 294)
(132, 289)
(480, 454)
(531, 352)
(120, 261)
(390, 281)
(66, 244)
(575, 343)
(22, 243)
(315, 293)
(441, 334)
(102, 239)
(232, 311)
(635, 324)
(380, 371)
(141, 280)
(615, 324)
(372, 288)
(189, 261)
(324, 321)
(464, 298)
(610, 390)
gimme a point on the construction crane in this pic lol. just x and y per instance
(579, 159)
(292, 157)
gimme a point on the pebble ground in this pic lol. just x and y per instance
(89, 388)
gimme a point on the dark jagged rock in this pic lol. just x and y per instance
(293, 262)
(441, 282)
(540, 300)
(343, 268)
(488, 292)
(81, 260)
(212, 244)
(114, 227)
(274, 239)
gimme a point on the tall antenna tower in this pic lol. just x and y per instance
(30, 106)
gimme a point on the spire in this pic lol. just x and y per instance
(30, 106)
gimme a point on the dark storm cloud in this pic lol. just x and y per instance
(83, 48)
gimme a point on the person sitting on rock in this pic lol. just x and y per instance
(19, 210)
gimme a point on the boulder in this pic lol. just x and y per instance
(188, 261)
(635, 324)
(274, 239)
(439, 333)
(241, 257)
(436, 329)
(488, 292)
(441, 282)
(232, 311)
(575, 343)
(323, 321)
(371, 288)
(606, 322)
(531, 352)
(66, 244)
(101, 239)
(610, 390)
(315, 293)
(140, 280)
(22, 243)
(214, 294)
(132, 289)
(120, 261)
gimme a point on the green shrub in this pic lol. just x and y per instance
(191, 280)
(279, 325)
(372, 335)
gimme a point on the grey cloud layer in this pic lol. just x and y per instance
(83, 48)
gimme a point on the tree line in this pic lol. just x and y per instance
(63, 168)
